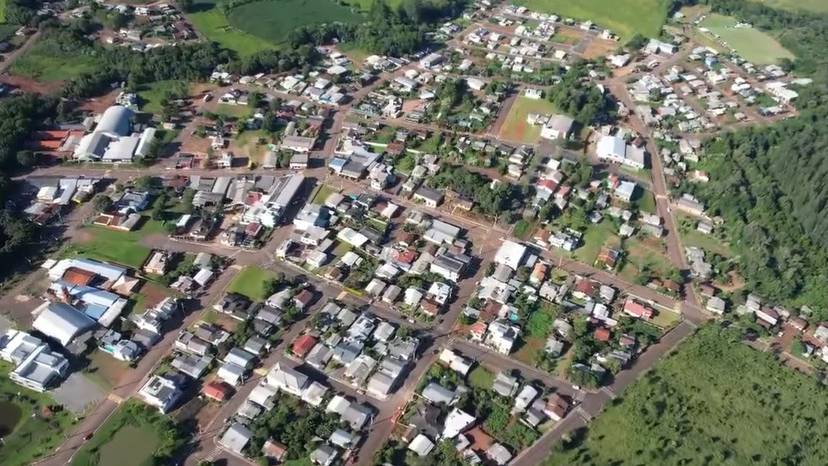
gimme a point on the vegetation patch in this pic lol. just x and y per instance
(816, 6)
(136, 435)
(751, 43)
(624, 17)
(120, 247)
(208, 19)
(252, 282)
(713, 401)
(49, 61)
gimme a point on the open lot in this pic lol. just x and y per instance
(28, 428)
(624, 17)
(48, 61)
(251, 283)
(152, 94)
(752, 44)
(110, 245)
(515, 128)
(273, 20)
(136, 435)
(714, 395)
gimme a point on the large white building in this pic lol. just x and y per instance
(614, 149)
(61, 322)
(37, 367)
(112, 140)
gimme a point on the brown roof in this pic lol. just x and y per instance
(218, 391)
(274, 449)
(78, 276)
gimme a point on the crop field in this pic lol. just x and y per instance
(515, 128)
(815, 6)
(208, 19)
(273, 20)
(624, 17)
(752, 44)
(714, 401)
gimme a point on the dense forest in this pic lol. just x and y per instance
(768, 182)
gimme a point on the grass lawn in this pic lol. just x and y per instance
(624, 17)
(133, 436)
(714, 401)
(228, 111)
(356, 54)
(2, 11)
(208, 19)
(120, 247)
(322, 194)
(273, 20)
(530, 350)
(692, 237)
(151, 94)
(105, 370)
(48, 61)
(752, 44)
(481, 378)
(595, 237)
(817, 6)
(665, 319)
(7, 30)
(250, 282)
(523, 229)
(640, 255)
(26, 434)
(645, 201)
(515, 128)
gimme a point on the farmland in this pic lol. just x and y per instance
(752, 44)
(515, 128)
(210, 21)
(714, 395)
(624, 17)
(816, 6)
(273, 20)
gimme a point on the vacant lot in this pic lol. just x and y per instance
(152, 94)
(624, 17)
(715, 401)
(121, 247)
(136, 435)
(209, 20)
(273, 20)
(251, 282)
(515, 128)
(28, 431)
(48, 61)
(752, 44)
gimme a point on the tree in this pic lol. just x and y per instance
(101, 202)
(26, 158)
(637, 41)
(185, 5)
(146, 183)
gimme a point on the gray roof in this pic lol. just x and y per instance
(437, 393)
(115, 120)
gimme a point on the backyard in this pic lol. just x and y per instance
(624, 17)
(752, 44)
(28, 426)
(136, 435)
(251, 283)
(714, 395)
(516, 128)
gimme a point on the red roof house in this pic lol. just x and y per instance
(216, 390)
(302, 345)
(637, 310)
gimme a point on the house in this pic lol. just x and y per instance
(505, 385)
(437, 394)
(161, 392)
(638, 310)
(62, 322)
(429, 196)
(456, 422)
(767, 315)
(302, 345)
(287, 379)
(235, 438)
(217, 391)
(455, 361)
(36, 366)
(421, 445)
(557, 127)
(510, 254)
(556, 407)
(716, 305)
(157, 263)
(324, 455)
(498, 454)
(615, 149)
(274, 450)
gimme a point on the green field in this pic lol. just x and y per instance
(2, 11)
(816, 6)
(623, 17)
(136, 435)
(210, 21)
(715, 401)
(152, 94)
(251, 283)
(515, 128)
(121, 247)
(273, 20)
(48, 61)
(752, 44)
(27, 434)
